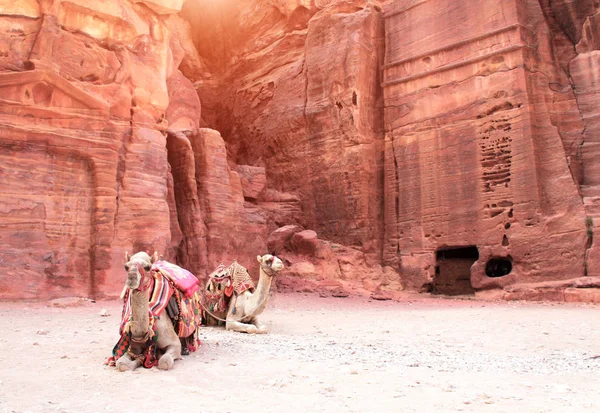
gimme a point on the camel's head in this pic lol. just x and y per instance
(136, 266)
(270, 264)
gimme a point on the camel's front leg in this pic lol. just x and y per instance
(172, 353)
(240, 327)
(126, 363)
(168, 342)
(235, 313)
(261, 328)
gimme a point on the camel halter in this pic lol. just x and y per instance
(140, 287)
(143, 276)
(270, 271)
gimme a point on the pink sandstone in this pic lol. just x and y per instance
(416, 151)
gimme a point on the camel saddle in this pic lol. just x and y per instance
(223, 283)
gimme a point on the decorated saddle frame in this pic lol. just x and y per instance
(223, 284)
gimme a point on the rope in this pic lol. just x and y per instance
(211, 314)
(220, 319)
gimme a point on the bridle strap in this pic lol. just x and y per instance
(268, 270)
(144, 276)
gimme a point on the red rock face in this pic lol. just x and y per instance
(78, 164)
(481, 126)
(401, 147)
(84, 166)
(299, 95)
(578, 23)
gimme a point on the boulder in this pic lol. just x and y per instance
(279, 239)
(305, 242)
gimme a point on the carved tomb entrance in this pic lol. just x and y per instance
(453, 270)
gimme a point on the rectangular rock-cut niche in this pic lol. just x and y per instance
(47, 222)
(453, 270)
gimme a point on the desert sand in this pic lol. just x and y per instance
(420, 354)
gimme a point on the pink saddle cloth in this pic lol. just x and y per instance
(183, 279)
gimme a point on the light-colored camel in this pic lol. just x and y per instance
(244, 309)
(138, 275)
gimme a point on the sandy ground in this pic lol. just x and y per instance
(321, 355)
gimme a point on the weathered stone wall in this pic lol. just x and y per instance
(298, 93)
(394, 129)
(88, 90)
(482, 142)
(84, 171)
(575, 34)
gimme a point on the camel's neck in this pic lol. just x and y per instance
(139, 313)
(258, 300)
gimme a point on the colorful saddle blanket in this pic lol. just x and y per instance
(182, 278)
(183, 310)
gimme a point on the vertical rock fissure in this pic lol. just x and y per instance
(121, 169)
(180, 253)
(380, 125)
(192, 249)
(579, 153)
(397, 202)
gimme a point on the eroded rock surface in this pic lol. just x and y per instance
(485, 141)
(298, 93)
(420, 144)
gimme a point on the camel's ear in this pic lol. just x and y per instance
(155, 257)
(259, 258)
(126, 256)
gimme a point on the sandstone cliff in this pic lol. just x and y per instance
(422, 141)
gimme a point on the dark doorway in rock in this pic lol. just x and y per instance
(498, 267)
(453, 270)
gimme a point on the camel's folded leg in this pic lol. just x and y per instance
(126, 363)
(168, 342)
(172, 353)
(261, 328)
(241, 327)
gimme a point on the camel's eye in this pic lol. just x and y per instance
(269, 260)
(126, 267)
(147, 267)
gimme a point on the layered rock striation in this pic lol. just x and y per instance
(99, 147)
(445, 146)
(481, 132)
